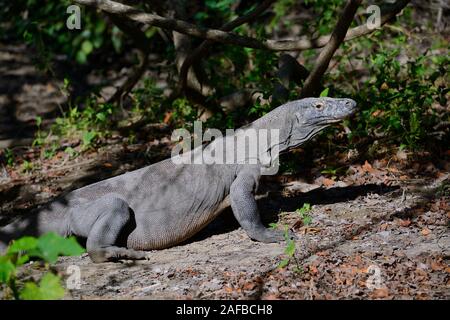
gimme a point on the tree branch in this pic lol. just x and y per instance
(110, 6)
(337, 37)
(141, 42)
(203, 48)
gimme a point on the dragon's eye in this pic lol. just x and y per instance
(319, 105)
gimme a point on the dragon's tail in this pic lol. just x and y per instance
(34, 223)
(17, 228)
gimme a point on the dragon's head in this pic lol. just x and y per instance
(307, 117)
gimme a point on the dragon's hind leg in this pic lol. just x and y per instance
(110, 221)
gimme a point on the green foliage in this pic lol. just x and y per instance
(49, 288)
(87, 124)
(71, 152)
(215, 11)
(9, 157)
(27, 166)
(39, 139)
(324, 93)
(149, 101)
(289, 252)
(303, 213)
(184, 112)
(281, 9)
(43, 26)
(47, 248)
(399, 100)
(88, 138)
(326, 12)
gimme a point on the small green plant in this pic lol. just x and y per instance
(39, 139)
(27, 166)
(71, 152)
(329, 171)
(184, 113)
(88, 139)
(148, 101)
(400, 101)
(289, 251)
(51, 151)
(324, 93)
(303, 213)
(273, 225)
(87, 124)
(47, 248)
(9, 157)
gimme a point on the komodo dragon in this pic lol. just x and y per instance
(163, 204)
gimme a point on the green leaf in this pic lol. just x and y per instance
(298, 269)
(51, 245)
(290, 248)
(88, 137)
(307, 220)
(329, 171)
(306, 207)
(38, 121)
(101, 116)
(22, 260)
(23, 244)
(87, 47)
(7, 269)
(283, 263)
(324, 93)
(49, 289)
(81, 57)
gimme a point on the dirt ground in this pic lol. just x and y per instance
(377, 232)
(385, 231)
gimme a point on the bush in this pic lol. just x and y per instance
(46, 248)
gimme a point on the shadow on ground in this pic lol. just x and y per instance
(271, 206)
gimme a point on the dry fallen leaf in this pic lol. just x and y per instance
(167, 117)
(425, 231)
(376, 113)
(228, 289)
(404, 223)
(328, 182)
(249, 286)
(384, 226)
(367, 167)
(313, 269)
(380, 293)
(436, 266)
(312, 230)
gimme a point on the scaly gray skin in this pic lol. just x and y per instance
(163, 204)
